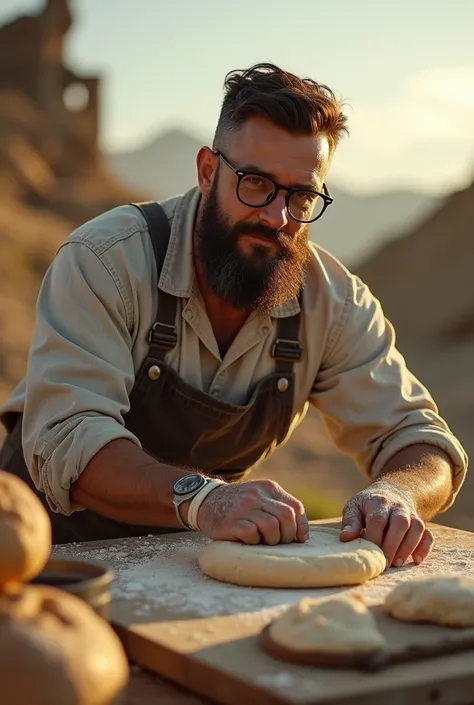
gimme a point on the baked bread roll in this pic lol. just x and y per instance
(55, 650)
(25, 531)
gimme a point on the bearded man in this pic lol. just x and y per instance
(177, 345)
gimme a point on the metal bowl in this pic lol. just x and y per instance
(87, 579)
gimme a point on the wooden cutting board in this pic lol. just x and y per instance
(164, 616)
(405, 643)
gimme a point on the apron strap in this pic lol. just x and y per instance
(286, 349)
(162, 336)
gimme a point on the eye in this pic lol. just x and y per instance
(306, 196)
(256, 181)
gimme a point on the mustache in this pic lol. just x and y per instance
(276, 236)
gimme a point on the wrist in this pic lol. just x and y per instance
(189, 492)
(402, 493)
(198, 500)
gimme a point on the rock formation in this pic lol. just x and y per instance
(49, 120)
(52, 175)
(424, 279)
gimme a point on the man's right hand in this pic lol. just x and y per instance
(260, 511)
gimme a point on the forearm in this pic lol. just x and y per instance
(124, 483)
(425, 473)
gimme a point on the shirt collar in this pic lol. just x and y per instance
(178, 273)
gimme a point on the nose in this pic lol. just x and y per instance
(274, 214)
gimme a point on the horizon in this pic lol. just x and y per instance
(410, 112)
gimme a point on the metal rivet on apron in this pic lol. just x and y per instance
(283, 384)
(154, 372)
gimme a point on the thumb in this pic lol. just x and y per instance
(351, 521)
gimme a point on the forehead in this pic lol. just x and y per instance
(289, 158)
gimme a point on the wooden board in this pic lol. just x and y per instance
(220, 657)
(404, 643)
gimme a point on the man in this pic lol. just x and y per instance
(171, 349)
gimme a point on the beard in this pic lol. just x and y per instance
(261, 279)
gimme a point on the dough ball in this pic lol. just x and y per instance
(55, 650)
(438, 599)
(333, 625)
(25, 531)
(323, 561)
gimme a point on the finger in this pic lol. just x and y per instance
(301, 519)
(286, 516)
(302, 524)
(246, 532)
(410, 542)
(267, 525)
(352, 521)
(376, 521)
(399, 536)
(423, 549)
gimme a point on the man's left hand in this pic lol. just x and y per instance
(387, 517)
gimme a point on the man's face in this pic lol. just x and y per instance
(255, 257)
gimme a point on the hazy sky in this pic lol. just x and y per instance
(405, 68)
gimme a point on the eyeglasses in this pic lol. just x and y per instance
(256, 191)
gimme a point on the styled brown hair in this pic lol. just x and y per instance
(299, 105)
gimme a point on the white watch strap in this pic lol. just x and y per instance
(198, 499)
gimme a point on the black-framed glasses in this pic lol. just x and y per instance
(257, 190)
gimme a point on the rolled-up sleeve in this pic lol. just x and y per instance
(79, 374)
(371, 404)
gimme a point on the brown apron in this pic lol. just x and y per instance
(177, 423)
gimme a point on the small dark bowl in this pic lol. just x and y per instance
(86, 579)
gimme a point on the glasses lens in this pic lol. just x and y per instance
(305, 205)
(255, 190)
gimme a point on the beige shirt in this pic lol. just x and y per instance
(95, 307)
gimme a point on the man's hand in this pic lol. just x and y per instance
(253, 512)
(388, 518)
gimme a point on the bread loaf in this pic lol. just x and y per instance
(55, 650)
(25, 531)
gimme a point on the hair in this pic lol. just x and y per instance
(299, 105)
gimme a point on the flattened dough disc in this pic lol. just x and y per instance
(338, 631)
(323, 561)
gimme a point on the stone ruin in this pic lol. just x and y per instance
(49, 121)
(32, 63)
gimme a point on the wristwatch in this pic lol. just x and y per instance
(185, 488)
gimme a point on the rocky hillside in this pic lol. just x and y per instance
(38, 210)
(425, 278)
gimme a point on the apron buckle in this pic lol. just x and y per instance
(284, 349)
(165, 339)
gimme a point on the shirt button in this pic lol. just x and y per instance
(283, 384)
(154, 373)
(265, 329)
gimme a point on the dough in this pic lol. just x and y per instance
(323, 561)
(55, 650)
(440, 599)
(25, 531)
(330, 625)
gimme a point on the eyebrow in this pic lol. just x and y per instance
(256, 170)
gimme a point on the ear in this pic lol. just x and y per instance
(206, 162)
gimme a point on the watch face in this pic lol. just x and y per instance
(189, 483)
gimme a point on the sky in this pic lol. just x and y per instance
(405, 71)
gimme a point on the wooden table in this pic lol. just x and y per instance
(147, 688)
